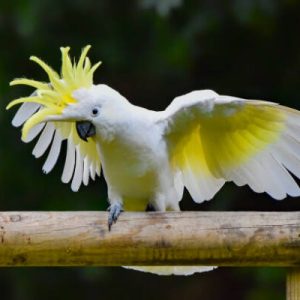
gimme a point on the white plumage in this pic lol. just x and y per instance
(200, 141)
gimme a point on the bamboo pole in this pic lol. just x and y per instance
(293, 284)
(173, 238)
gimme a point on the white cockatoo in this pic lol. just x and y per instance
(200, 141)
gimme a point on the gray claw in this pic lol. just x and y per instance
(114, 211)
(150, 207)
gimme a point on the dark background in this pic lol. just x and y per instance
(152, 51)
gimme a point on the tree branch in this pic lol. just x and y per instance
(173, 238)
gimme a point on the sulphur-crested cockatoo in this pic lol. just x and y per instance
(200, 141)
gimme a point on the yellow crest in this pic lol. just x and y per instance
(55, 95)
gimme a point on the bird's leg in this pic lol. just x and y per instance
(115, 210)
(150, 207)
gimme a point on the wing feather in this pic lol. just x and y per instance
(290, 160)
(285, 178)
(274, 187)
(213, 139)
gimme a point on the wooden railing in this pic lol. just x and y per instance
(173, 238)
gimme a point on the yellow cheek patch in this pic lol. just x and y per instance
(55, 95)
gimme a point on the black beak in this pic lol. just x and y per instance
(85, 129)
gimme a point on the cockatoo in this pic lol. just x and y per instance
(200, 141)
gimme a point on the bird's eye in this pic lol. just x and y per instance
(95, 111)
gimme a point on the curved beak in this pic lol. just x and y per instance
(85, 129)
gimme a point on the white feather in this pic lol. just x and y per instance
(201, 186)
(292, 143)
(34, 131)
(293, 119)
(257, 176)
(25, 111)
(93, 171)
(98, 168)
(69, 163)
(293, 131)
(286, 180)
(86, 174)
(172, 270)
(273, 183)
(53, 153)
(44, 140)
(77, 178)
(285, 154)
(193, 186)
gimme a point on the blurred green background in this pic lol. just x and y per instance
(152, 51)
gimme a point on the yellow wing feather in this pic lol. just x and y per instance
(230, 140)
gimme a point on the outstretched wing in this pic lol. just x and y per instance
(82, 159)
(213, 139)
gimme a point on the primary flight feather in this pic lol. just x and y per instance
(200, 141)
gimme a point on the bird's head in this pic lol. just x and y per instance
(69, 96)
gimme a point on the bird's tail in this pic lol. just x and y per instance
(171, 270)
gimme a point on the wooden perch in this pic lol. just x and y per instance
(173, 238)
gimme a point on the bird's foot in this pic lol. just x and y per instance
(115, 210)
(150, 207)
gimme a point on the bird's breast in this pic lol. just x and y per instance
(132, 162)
